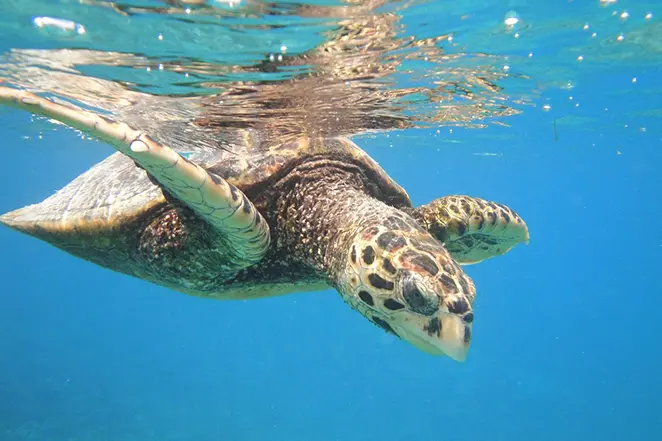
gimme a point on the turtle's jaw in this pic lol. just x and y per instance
(452, 339)
(444, 334)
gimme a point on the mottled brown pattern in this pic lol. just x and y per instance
(332, 223)
(472, 229)
(335, 217)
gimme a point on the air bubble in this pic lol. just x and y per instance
(511, 19)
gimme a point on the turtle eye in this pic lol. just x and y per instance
(418, 298)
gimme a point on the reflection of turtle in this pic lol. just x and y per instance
(245, 217)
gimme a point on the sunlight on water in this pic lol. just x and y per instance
(368, 65)
(55, 26)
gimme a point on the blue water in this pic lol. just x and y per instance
(566, 339)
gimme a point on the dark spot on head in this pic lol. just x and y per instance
(352, 255)
(378, 282)
(425, 263)
(450, 268)
(505, 216)
(368, 255)
(468, 318)
(458, 306)
(464, 284)
(390, 241)
(366, 298)
(419, 302)
(246, 205)
(393, 305)
(384, 325)
(234, 192)
(467, 334)
(492, 217)
(388, 266)
(454, 208)
(449, 284)
(433, 327)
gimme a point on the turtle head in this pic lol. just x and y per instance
(405, 281)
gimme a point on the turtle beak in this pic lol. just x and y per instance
(444, 334)
(455, 337)
(457, 345)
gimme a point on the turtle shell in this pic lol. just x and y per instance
(115, 192)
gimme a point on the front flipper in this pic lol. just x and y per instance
(472, 229)
(217, 202)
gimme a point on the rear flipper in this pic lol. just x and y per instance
(472, 229)
(220, 204)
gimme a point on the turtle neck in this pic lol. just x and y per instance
(322, 208)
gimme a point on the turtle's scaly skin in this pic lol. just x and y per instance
(383, 263)
(331, 217)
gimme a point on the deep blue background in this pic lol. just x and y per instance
(566, 338)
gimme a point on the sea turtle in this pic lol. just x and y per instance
(246, 217)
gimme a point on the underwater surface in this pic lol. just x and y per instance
(553, 108)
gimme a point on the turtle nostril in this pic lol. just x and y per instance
(419, 300)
